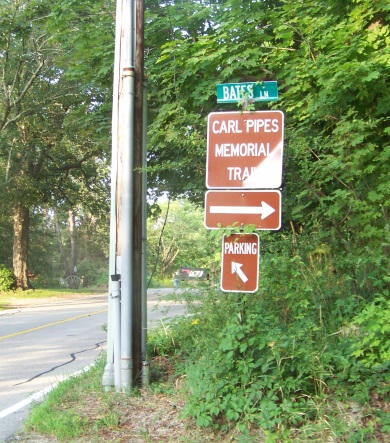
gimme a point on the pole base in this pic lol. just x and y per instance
(108, 376)
(145, 374)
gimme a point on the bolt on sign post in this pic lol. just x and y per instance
(244, 150)
(240, 263)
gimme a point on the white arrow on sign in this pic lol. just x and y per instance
(264, 210)
(236, 267)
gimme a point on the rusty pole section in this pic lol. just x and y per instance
(139, 171)
(138, 192)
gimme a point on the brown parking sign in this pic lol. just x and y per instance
(240, 263)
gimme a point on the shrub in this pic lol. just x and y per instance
(45, 282)
(369, 349)
(91, 272)
(260, 369)
(277, 349)
(373, 346)
(6, 279)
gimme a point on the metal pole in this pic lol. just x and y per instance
(134, 29)
(145, 364)
(108, 376)
(116, 319)
(138, 193)
(127, 231)
(126, 141)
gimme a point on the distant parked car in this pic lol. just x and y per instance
(186, 274)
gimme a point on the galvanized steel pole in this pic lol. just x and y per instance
(127, 234)
(110, 376)
(145, 362)
(126, 141)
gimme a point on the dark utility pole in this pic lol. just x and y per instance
(138, 197)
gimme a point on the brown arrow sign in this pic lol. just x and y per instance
(240, 263)
(236, 208)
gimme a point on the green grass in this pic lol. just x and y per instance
(10, 298)
(60, 415)
(79, 410)
(160, 283)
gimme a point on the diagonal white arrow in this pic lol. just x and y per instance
(264, 210)
(236, 267)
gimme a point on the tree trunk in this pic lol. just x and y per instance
(61, 245)
(20, 247)
(73, 243)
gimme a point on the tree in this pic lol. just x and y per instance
(177, 238)
(180, 94)
(51, 122)
(24, 53)
(329, 59)
(337, 131)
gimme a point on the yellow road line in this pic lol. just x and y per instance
(50, 324)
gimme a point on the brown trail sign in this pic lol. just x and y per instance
(244, 150)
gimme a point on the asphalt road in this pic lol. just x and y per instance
(46, 342)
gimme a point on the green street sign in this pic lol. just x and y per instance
(252, 91)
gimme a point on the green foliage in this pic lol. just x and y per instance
(54, 120)
(6, 279)
(270, 356)
(271, 360)
(319, 322)
(373, 345)
(91, 273)
(168, 339)
(188, 336)
(331, 64)
(160, 282)
(103, 278)
(177, 238)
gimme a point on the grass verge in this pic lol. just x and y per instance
(11, 298)
(80, 410)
